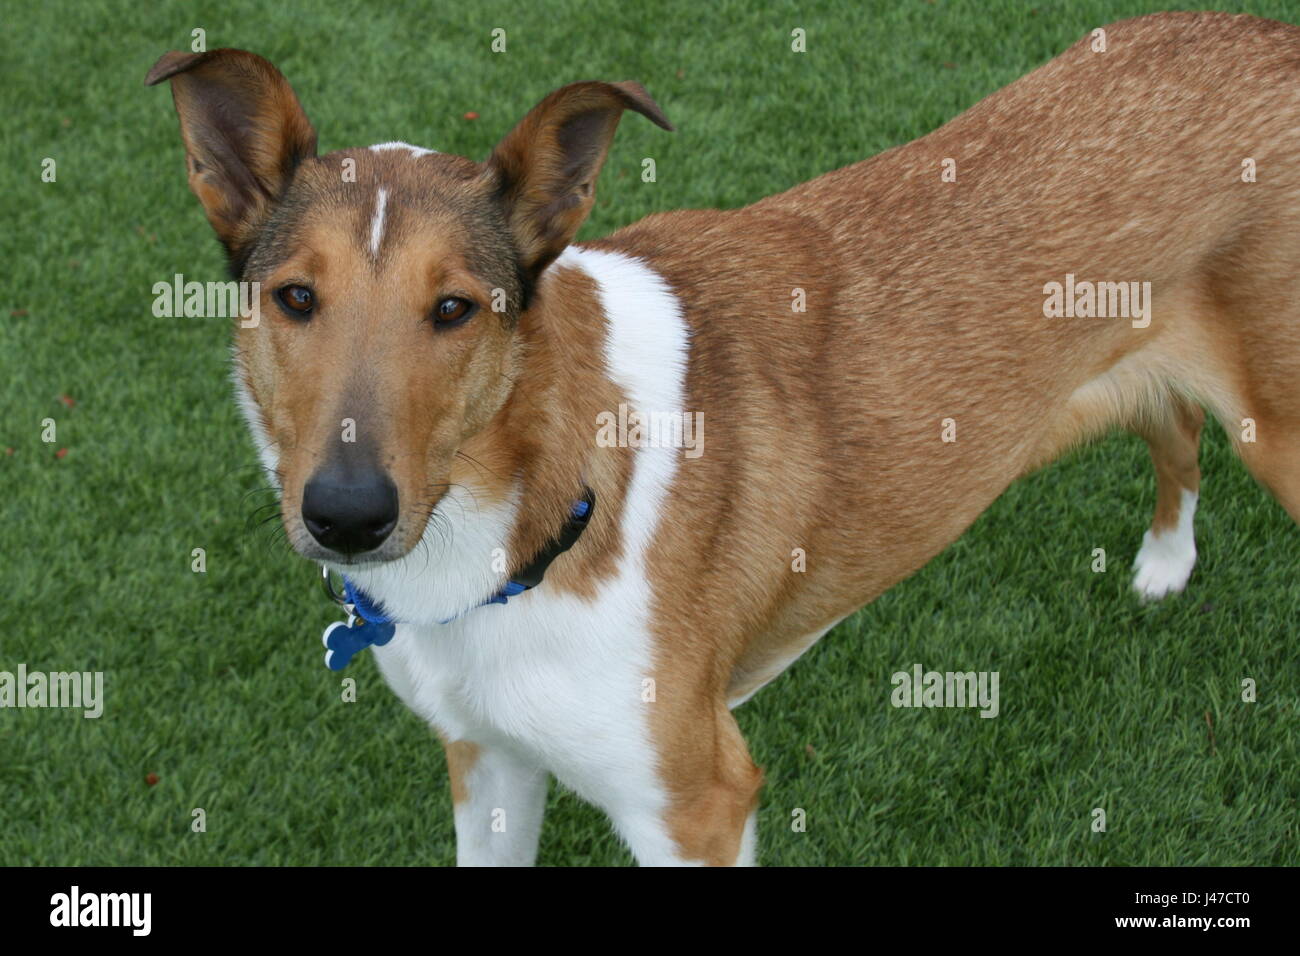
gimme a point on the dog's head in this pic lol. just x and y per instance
(392, 281)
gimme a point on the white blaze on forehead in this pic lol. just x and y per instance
(377, 223)
(417, 150)
(381, 198)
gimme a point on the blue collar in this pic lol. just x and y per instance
(369, 624)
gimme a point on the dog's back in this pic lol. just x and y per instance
(925, 321)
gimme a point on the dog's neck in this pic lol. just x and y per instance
(541, 445)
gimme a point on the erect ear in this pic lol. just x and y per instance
(244, 134)
(546, 167)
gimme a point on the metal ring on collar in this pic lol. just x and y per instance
(328, 585)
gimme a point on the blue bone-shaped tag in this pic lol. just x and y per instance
(367, 625)
(344, 641)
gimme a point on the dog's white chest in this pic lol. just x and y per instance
(563, 682)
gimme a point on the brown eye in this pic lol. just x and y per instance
(297, 300)
(453, 311)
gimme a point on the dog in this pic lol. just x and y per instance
(844, 376)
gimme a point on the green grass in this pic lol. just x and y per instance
(214, 680)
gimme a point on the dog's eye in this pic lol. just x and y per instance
(453, 311)
(297, 300)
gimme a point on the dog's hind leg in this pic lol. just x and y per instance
(1265, 419)
(1248, 350)
(1273, 457)
(1168, 552)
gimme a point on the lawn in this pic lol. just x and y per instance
(215, 693)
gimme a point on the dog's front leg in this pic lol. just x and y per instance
(698, 804)
(499, 801)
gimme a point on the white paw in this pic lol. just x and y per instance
(1165, 560)
(1164, 564)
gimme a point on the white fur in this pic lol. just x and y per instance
(377, 223)
(548, 682)
(748, 855)
(1165, 560)
(268, 452)
(500, 821)
(415, 150)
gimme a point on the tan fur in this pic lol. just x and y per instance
(546, 167)
(247, 93)
(462, 755)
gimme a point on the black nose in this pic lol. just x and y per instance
(349, 512)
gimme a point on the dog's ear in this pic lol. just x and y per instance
(546, 167)
(244, 134)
